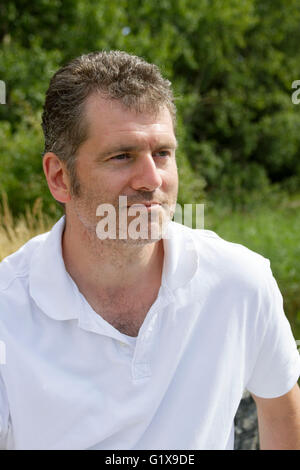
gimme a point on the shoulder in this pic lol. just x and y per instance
(17, 265)
(231, 270)
(220, 254)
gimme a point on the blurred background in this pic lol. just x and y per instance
(232, 64)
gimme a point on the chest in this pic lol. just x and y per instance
(125, 313)
(92, 388)
(127, 321)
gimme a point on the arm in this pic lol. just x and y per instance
(279, 421)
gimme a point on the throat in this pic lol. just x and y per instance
(126, 320)
(123, 312)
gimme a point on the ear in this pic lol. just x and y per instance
(57, 177)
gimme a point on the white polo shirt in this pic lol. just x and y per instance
(72, 381)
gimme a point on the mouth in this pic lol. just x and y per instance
(146, 204)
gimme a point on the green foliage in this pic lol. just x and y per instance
(231, 62)
(21, 175)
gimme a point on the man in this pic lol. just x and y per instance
(125, 342)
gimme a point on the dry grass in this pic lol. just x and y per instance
(15, 232)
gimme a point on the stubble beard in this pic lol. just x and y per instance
(153, 225)
(85, 210)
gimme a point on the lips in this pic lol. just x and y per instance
(147, 204)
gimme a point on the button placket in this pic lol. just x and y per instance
(126, 349)
(141, 367)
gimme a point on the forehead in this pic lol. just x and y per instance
(111, 120)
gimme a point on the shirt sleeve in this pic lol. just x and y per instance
(4, 415)
(275, 358)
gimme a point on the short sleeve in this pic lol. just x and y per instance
(275, 358)
(4, 415)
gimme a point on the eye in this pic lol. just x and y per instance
(122, 156)
(162, 153)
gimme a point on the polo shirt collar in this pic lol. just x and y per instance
(181, 258)
(56, 294)
(50, 285)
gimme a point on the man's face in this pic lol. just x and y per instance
(126, 154)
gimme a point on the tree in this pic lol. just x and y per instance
(231, 63)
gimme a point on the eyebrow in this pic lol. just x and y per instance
(119, 149)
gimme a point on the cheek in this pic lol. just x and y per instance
(104, 191)
(96, 182)
(171, 180)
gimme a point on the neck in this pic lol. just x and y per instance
(107, 265)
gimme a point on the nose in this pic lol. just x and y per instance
(146, 175)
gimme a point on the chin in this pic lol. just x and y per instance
(138, 242)
(154, 233)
